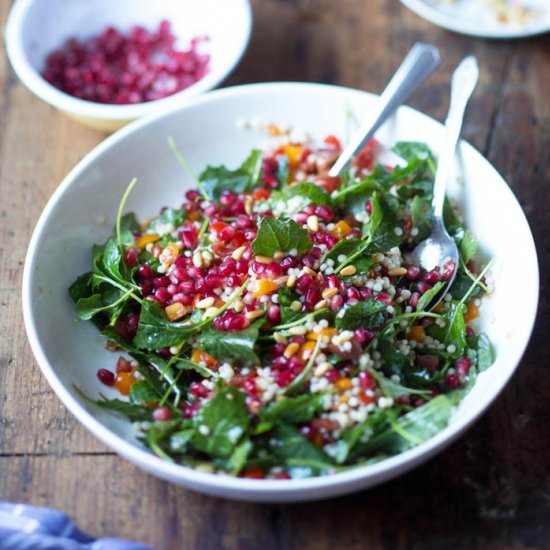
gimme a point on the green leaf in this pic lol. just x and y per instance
(232, 346)
(221, 423)
(169, 216)
(158, 436)
(216, 179)
(413, 428)
(156, 331)
(179, 441)
(280, 236)
(468, 247)
(369, 314)
(81, 287)
(393, 389)
(142, 393)
(413, 150)
(293, 410)
(421, 212)
(485, 353)
(345, 247)
(394, 362)
(132, 411)
(456, 330)
(238, 457)
(287, 442)
(129, 226)
(112, 257)
(186, 364)
(429, 296)
(86, 308)
(382, 225)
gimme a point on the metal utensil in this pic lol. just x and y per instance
(416, 67)
(440, 249)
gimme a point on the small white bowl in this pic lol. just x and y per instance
(82, 210)
(36, 27)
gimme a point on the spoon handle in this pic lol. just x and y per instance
(416, 67)
(463, 83)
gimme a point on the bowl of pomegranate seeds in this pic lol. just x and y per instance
(239, 322)
(107, 66)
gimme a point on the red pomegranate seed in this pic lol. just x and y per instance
(366, 381)
(274, 314)
(413, 272)
(106, 377)
(463, 366)
(431, 277)
(123, 365)
(131, 257)
(332, 375)
(162, 414)
(453, 381)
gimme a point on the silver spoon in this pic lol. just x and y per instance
(416, 67)
(439, 249)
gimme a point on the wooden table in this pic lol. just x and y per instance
(489, 490)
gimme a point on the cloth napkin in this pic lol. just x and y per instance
(25, 527)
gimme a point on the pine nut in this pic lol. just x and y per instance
(238, 253)
(397, 272)
(320, 305)
(252, 315)
(348, 270)
(205, 303)
(291, 281)
(291, 349)
(263, 259)
(328, 293)
(313, 223)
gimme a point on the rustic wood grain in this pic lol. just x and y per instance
(490, 490)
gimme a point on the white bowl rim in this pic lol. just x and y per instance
(461, 26)
(239, 488)
(32, 79)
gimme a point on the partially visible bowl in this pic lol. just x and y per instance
(35, 28)
(82, 210)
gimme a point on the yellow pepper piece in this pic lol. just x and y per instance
(264, 287)
(144, 240)
(341, 229)
(472, 312)
(200, 356)
(343, 384)
(416, 332)
(294, 154)
(329, 332)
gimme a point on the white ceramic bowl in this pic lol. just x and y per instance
(70, 352)
(36, 27)
(475, 18)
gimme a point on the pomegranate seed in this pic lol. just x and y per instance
(304, 282)
(106, 377)
(463, 366)
(383, 297)
(280, 475)
(453, 381)
(332, 375)
(123, 365)
(431, 277)
(430, 362)
(146, 288)
(145, 272)
(274, 314)
(280, 362)
(162, 414)
(366, 381)
(413, 272)
(161, 282)
(131, 257)
(363, 336)
(336, 303)
(198, 390)
(278, 349)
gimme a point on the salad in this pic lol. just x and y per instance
(272, 325)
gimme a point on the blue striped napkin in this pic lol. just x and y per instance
(25, 527)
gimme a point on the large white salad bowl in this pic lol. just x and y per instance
(82, 210)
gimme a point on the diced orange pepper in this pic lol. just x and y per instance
(417, 333)
(317, 440)
(329, 332)
(175, 311)
(200, 356)
(260, 194)
(294, 154)
(217, 226)
(306, 350)
(194, 216)
(472, 312)
(343, 384)
(264, 287)
(144, 240)
(344, 399)
(341, 229)
(218, 302)
(439, 308)
(124, 381)
(274, 130)
(366, 399)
